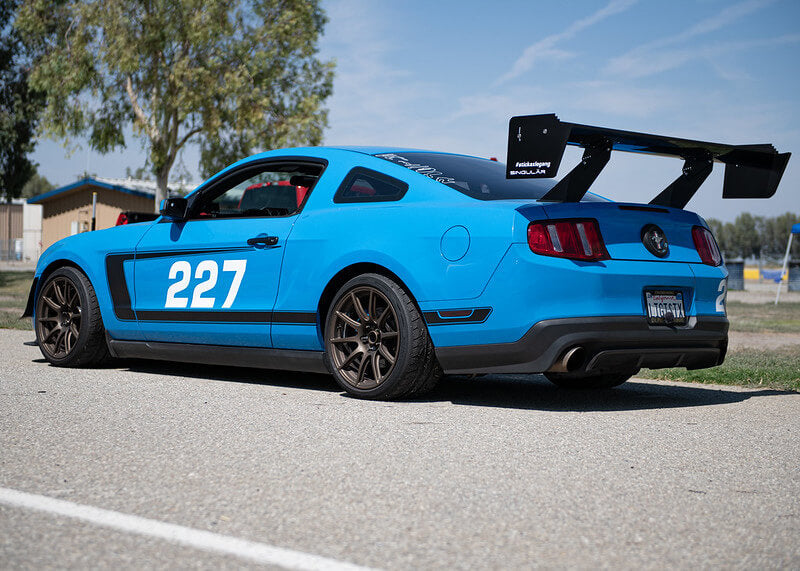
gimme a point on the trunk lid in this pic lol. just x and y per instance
(622, 226)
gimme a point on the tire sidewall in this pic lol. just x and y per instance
(404, 352)
(80, 282)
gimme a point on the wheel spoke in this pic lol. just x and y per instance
(48, 320)
(49, 334)
(74, 329)
(357, 351)
(371, 304)
(384, 314)
(389, 334)
(348, 320)
(362, 315)
(73, 298)
(59, 294)
(52, 304)
(68, 340)
(59, 340)
(376, 370)
(362, 369)
(385, 354)
(344, 340)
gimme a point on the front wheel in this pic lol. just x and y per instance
(68, 326)
(587, 382)
(376, 343)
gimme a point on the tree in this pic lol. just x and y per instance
(140, 173)
(754, 236)
(776, 234)
(722, 233)
(746, 235)
(19, 108)
(35, 186)
(233, 76)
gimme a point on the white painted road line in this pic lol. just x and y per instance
(205, 540)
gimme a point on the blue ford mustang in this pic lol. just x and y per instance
(389, 267)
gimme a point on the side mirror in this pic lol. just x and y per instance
(174, 208)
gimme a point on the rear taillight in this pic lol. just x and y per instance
(121, 219)
(574, 239)
(706, 246)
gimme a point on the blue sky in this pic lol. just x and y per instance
(448, 75)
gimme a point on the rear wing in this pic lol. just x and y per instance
(536, 145)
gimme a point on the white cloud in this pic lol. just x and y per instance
(644, 63)
(545, 49)
(652, 57)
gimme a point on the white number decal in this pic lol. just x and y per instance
(211, 268)
(237, 266)
(720, 307)
(179, 267)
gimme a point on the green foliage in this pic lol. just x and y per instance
(234, 76)
(752, 235)
(19, 108)
(36, 185)
(141, 173)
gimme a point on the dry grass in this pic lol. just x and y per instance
(14, 288)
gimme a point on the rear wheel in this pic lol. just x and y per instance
(587, 382)
(376, 342)
(69, 329)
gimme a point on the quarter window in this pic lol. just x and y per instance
(365, 185)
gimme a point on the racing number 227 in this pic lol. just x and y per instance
(210, 268)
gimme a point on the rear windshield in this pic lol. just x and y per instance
(479, 178)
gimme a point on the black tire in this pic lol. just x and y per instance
(69, 328)
(587, 382)
(360, 342)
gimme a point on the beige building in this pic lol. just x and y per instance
(20, 231)
(68, 210)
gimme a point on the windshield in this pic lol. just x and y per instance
(479, 178)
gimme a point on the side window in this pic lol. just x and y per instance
(364, 185)
(266, 190)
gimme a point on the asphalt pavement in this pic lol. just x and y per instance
(486, 473)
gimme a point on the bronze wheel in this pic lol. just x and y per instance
(58, 322)
(364, 337)
(376, 341)
(67, 322)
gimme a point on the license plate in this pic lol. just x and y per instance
(665, 307)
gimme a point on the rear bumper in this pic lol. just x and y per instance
(610, 344)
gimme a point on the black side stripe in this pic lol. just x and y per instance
(228, 316)
(454, 316)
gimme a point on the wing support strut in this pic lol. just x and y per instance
(576, 183)
(695, 171)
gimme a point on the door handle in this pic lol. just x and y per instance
(262, 240)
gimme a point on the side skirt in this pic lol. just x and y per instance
(256, 357)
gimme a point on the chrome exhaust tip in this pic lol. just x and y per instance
(570, 361)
